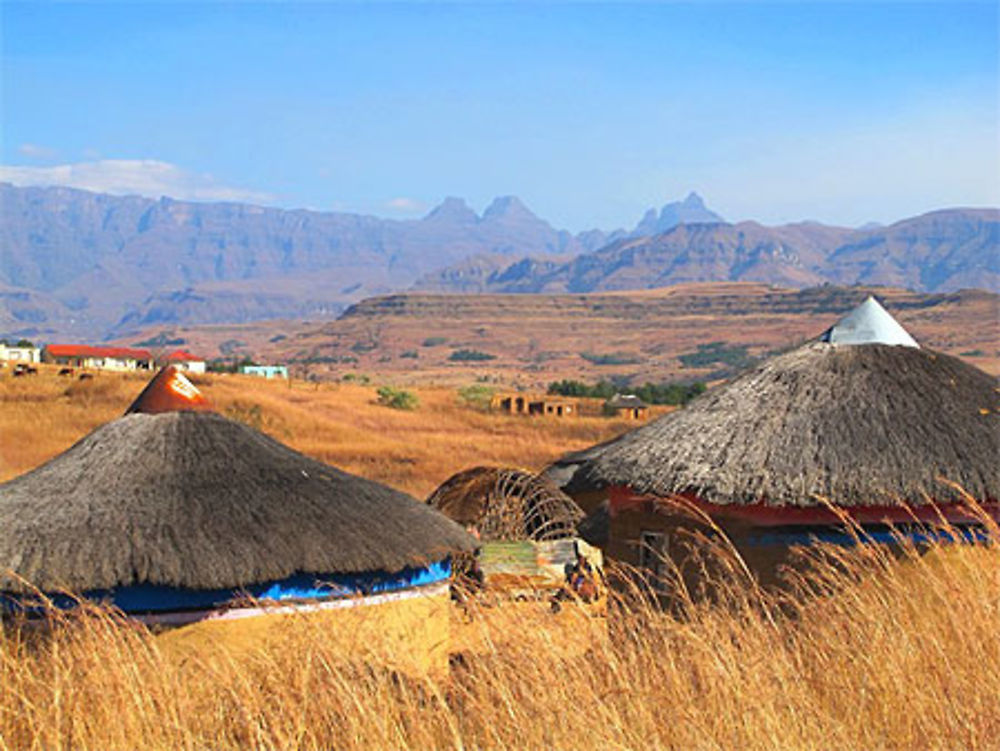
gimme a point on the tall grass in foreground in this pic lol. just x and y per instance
(871, 652)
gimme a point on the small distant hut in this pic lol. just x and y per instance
(627, 406)
(860, 422)
(526, 525)
(178, 515)
(183, 361)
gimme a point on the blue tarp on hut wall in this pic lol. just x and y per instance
(866, 534)
(147, 598)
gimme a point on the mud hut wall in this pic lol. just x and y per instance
(406, 633)
(629, 527)
(589, 499)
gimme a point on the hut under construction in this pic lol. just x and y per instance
(861, 422)
(177, 515)
(527, 527)
(540, 406)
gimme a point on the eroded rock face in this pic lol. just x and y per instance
(943, 251)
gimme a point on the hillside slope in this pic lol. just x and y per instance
(690, 331)
(938, 252)
(115, 260)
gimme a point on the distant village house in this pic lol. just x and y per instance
(98, 358)
(265, 371)
(183, 360)
(23, 352)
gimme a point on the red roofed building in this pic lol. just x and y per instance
(184, 360)
(100, 358)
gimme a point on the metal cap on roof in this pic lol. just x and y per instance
(869, 323)
(169, 391)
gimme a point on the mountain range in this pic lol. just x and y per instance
(81, 265)
(937, 252)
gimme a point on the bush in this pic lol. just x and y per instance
(160, 340)
(396, 398)
(616, 358)
(734, 356)
(651, 393)
(410, 354)
(434, 341)
(254, 415)
(222, 365)
(476, 396)
(470, 355)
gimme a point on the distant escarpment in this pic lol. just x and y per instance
(937, 252)
(94, 264)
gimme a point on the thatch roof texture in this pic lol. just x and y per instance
(625, 401)
(507, 504)
(194, 500)
(570, 473)
(859, 425)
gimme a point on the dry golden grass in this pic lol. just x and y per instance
(892, 655)
(872, 652)
(340, 424)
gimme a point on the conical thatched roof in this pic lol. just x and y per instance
(570, 472)
(859, 425)
(507, 504)
(191, 499)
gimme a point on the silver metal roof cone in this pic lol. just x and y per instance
(869, 323)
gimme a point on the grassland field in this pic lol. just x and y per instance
(338, 423)
(871, 652)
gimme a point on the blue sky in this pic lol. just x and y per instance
(591, 113)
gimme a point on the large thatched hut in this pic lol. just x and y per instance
(176, 514)
(570, 473)
(862, 421)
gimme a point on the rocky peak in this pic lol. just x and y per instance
(507, 208)
(453, 210)
(691, 210)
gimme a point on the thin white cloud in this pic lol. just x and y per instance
(406, 205)
(144, 177)
(34, 151)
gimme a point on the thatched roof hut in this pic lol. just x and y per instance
(857, 423)
(185, 498)
(507, 504)
(570, 473)
(625, 401)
